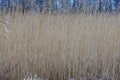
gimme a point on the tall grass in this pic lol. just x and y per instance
(60, 47)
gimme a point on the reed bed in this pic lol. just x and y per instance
(60, 47)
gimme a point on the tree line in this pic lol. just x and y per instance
(53, 6)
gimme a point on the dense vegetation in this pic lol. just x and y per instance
(61, 47)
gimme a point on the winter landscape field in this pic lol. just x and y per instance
(59, 39)
(59, 47)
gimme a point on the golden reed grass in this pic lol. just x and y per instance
(60, 47)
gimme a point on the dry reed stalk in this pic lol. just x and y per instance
(60, 47)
